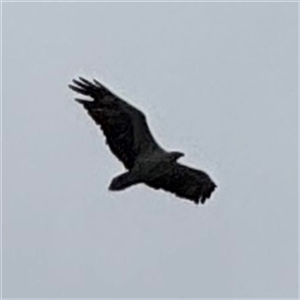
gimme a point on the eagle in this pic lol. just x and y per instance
(131, 141)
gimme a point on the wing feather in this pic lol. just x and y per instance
(125, 127)
(185, 182)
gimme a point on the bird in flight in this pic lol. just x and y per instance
(130, 140)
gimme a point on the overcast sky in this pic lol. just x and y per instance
(217, 81)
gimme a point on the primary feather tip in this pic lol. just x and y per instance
(206, 192)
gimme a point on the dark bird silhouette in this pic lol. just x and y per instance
(130, 140)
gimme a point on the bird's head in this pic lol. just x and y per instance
(176, 155)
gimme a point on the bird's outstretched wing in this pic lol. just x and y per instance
(125, 127)
(185, 182)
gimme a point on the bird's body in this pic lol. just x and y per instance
(129, 138)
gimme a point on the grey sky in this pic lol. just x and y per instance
(217, 81)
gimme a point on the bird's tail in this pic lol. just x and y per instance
(123, 181)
